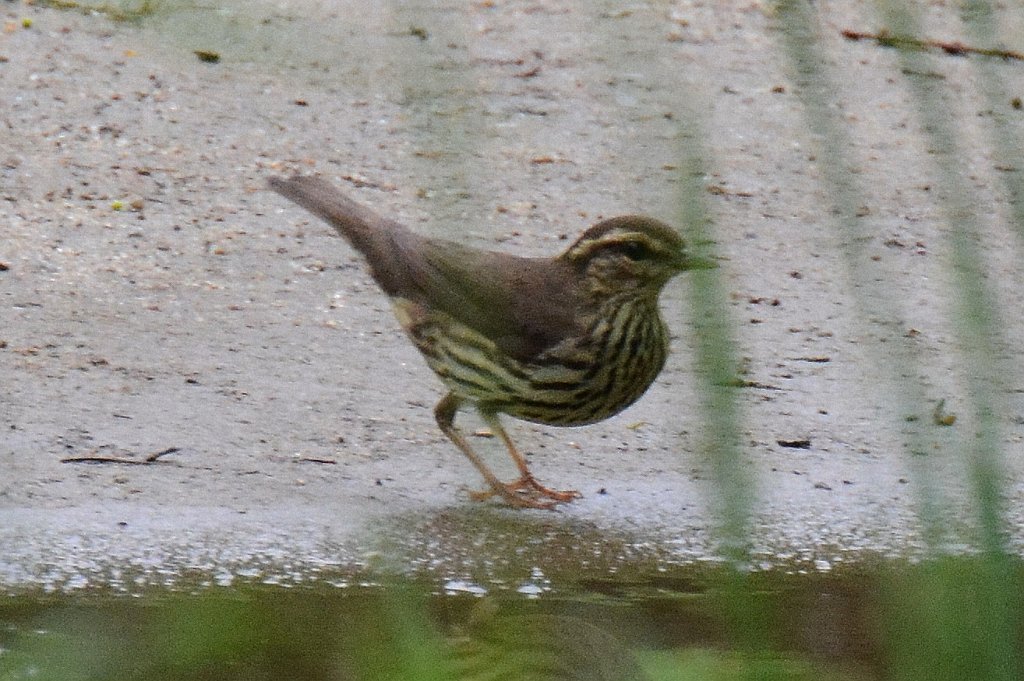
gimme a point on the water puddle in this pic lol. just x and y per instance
(708, 623)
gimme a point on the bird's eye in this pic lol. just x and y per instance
(636, 250)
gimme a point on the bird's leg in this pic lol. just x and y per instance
(526, 480)
(445, 412)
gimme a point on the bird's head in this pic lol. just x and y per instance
(632, 255)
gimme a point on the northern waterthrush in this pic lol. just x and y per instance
(562, 341)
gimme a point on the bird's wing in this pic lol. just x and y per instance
(524, 305)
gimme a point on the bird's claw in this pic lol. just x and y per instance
(526, 492)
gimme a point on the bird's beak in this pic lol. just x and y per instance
(694, 262)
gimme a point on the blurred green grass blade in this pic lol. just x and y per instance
(924, 639)
(980, 330)
(716, 363)
(734, 490)
(976, 307)
(393, 640)
(869, 290)
(539, 647)
(1007, 147)
(937, 624)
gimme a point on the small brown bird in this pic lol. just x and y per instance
(563, 341)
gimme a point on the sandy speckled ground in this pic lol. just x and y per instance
(210, 316)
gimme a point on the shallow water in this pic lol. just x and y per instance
(700, 623)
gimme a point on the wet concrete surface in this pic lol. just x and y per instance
(157, 299)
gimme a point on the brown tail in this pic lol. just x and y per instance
(362, 227)
(394, 252)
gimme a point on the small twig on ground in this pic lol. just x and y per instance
(311, 459)
(163, 452)
(956, 48)
(93, 458)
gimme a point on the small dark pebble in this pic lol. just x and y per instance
(207, 57)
